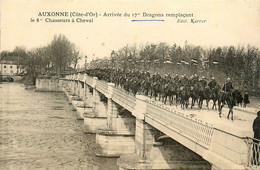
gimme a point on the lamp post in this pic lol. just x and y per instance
(112, 58)
(86, 58)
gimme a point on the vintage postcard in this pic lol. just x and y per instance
(116, 84)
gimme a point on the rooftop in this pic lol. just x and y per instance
(8, 62)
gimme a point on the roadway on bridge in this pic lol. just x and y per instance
(241, 125)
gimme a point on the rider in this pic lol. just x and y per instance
(195, 79)
(176, 78)
(157, 76)
(184, 80)
(167, 77)
(228, 86)
(191, 80)
(212, 83)
(203, 82)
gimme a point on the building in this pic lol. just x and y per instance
(10, 68)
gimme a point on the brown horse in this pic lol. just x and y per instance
(228, 98)
(194, 94)
(169, 91)
(184, 96)
(216, 96)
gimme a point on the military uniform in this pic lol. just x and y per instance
(212, 84)
(203, 83)
(227, 87)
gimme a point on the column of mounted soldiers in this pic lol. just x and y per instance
(165, 88)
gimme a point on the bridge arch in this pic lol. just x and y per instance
(8, 79)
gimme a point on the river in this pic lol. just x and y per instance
(38, 130)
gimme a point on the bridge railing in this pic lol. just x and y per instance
(81, 77)
(102, 87)
(122, 98)
(193, 129)
(89, 80)
(253, 161)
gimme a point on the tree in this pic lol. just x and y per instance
(250, 60)
(75, 57)
(63, 53)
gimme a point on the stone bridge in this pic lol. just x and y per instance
(146, 134)
(11, 78)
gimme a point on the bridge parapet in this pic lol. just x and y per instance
(193, 129)
(77, 76)
(122, 98)
(102, 87)
(253, 161)
(74, 77)
(89, 81)
(81, 77)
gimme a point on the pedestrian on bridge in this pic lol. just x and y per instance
(246, 99)
(256, 126)
(256, 147)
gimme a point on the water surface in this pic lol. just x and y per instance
(38, 130)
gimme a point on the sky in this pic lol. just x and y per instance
(224, 23)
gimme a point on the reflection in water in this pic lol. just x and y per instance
(39, 130)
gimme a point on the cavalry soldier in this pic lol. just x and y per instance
(212, 83)
(246, 98)
(157, 76)
(147, 74)
(228, 86)
(176, 78)
(167, 78)
(184, 80)
(203, 82)
(192, 81)
(195, 79)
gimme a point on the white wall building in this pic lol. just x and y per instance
(10, 68)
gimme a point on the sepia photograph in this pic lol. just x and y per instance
(130, 85)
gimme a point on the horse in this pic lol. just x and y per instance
(194, 94)
(184, 96)
(146, 85)
(230, 99)
(201, 95)
(135, 86)
(216, 96)
(207, 95)
(126, 85)
(239, 97)
(169, 90)
(156, 89)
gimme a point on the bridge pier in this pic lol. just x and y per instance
(117, 137)
(153, 152)
(72, 93)
(97, 118)
(74, 84)
(81, 90)
(99, 108)
(88, 99)
(76, 96)
(71, 86)
(81, 106)
(76, 100)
